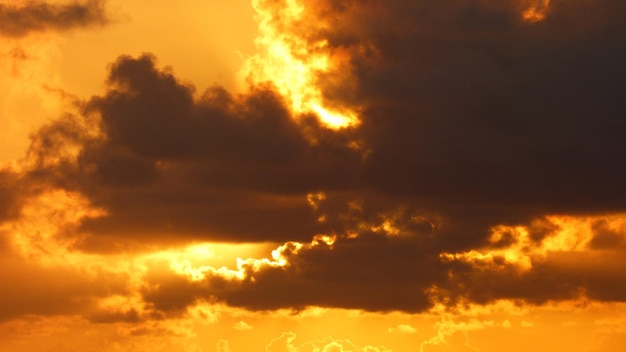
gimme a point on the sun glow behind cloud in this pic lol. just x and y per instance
(440, 326)
(292, 63)
(124, 231)
(537, 11)
(514, 245)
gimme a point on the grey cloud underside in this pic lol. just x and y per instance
(41, 16)
(471, 118)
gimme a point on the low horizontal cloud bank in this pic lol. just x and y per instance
(471, 118)
(41, 16)
(404, 271)
(371, 272)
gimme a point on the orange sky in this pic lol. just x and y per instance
(312, 176)
(185, 37)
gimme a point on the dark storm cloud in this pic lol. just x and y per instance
(471, 118)
(168, 166)
(474, 118)
(490, 119)
(40, 16)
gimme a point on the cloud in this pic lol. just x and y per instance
(481, 134)
(489, 132)
(242, 326)
(378, 270)
(68, 291)
(41, 16)
(447, 327)
(284, 343)
(523, 270)
(518, 142)
(9, 194)
(402, 329)
(371, 272)
(223, 167)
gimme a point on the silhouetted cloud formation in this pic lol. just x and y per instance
(40, 16)
(220, 168)
(471, 117)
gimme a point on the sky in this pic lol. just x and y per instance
(312, 175)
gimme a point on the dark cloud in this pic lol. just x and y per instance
(562, 276)
(471, 118)
(485, 117)
(404, 272)
(372, 272)
(355, 274)
(41, 16)
(219, 167)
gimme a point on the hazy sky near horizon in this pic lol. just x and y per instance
(312, 175)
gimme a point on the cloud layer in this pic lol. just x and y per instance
(487, 164)
(40, 16)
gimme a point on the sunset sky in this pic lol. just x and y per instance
(312, 175)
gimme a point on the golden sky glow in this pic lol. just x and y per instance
(312, 176)
(292, 63)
